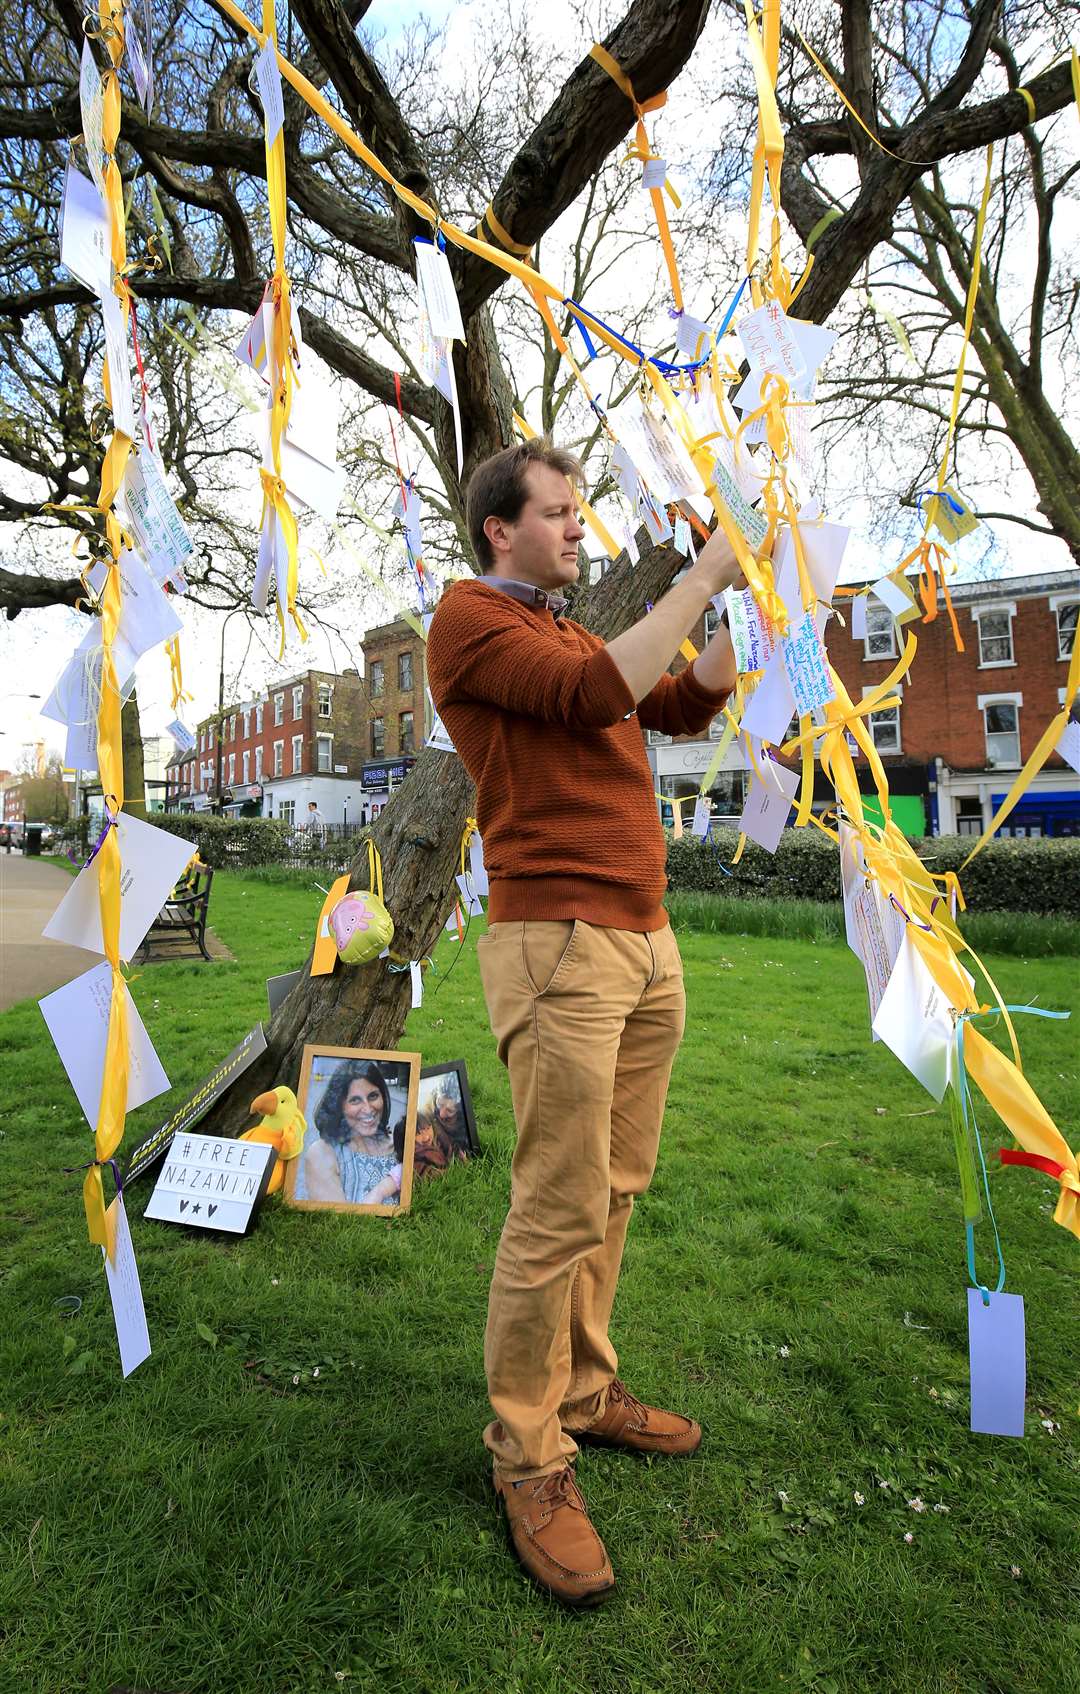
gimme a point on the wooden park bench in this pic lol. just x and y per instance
(183, 916)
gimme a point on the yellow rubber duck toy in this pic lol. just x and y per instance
(283, 1127)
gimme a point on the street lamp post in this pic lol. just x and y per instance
(219, 807)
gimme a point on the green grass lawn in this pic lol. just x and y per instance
(292, 1495)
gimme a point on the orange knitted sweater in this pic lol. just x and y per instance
(546, 728)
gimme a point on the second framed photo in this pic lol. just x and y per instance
(360, 1107)
(445, 1122)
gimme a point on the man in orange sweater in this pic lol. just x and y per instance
(581, 971)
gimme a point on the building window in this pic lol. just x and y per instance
(287, 811)
(375, 676)
(297, 753)
(246, 761)
(1066, 613)
(279, 758)
(258, 764)
(378, 738)
(404, 672)
(880, 640)
(298, 701)
(326, 700)
(324, 752)
(232, 769)
(969, 816)
(232, 727)
(405, 733)
(258, 719)
(279, 709)
(1002, 718)
(246, 721)
(995, 635)
(885, 726)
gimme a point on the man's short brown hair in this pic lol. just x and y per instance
(497, 487)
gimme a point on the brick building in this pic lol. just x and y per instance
(966, 721)
(396, 706)
(302, 740)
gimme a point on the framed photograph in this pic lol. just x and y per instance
(445, 1122)
(360, 1107)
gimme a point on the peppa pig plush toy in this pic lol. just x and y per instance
(361, 927)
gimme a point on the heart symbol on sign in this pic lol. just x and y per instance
(210, 1210)
(184, 1204)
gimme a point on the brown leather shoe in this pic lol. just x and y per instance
(631, 1426)
(554, 1540)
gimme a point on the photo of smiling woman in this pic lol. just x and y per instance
(358, 1150)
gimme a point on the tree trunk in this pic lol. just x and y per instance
(418, 836)
(132, 752)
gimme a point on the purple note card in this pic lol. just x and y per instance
(998, 1368)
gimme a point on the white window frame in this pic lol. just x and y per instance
(1057, 605)
(279, 709)
(408, 713)
(980, 612)
(246, 715)
(258, 764)
(406, 687)
(326, 696)
(1002, 698)
(298, 701)
(287, 811)
(259, 719)
(245, 765)
(874, 611)
(232, 769)
(380, 719)
(378, 665)
(888, 713)
(297, 754)
(232, 727)
(320, 742)
(279, 758)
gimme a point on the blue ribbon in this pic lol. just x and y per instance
(939, 494)
(966, 1108)
(665, 366)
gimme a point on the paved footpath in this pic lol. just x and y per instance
(30, 891)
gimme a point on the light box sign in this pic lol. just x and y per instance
(211, 1182)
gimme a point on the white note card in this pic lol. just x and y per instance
(469, 899)
(769, 802)
(1069, 743)
(702, 817)
(770, 343)
(151, 861)
(125, 1292)
(84, 232)
(157, 526)
(78, 1019)
(268, 77)
(437, 291)
(654, 173)
(915, 1021)
(772, 705)
(416, 982)
(807, 666)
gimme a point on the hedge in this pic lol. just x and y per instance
(1009, 875)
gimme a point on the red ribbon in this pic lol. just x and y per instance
(1035, 1162)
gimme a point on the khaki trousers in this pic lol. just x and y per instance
(588, 1021)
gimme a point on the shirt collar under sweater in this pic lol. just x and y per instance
(528, 594)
